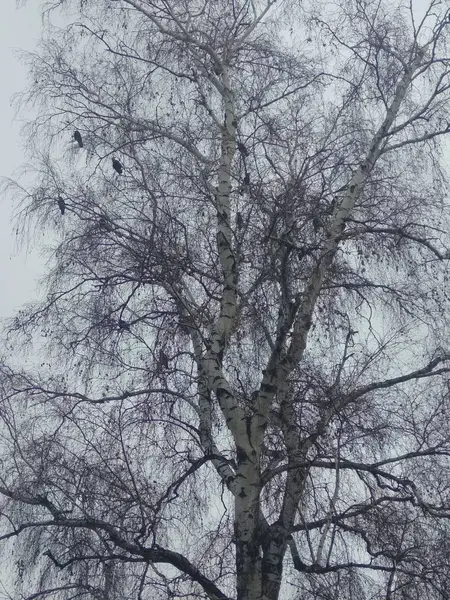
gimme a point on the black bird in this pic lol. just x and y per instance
(185, 328)
(62, 205)
(117, 166)
(105, 223)
(245, 183)
(242, 149)
(163, 360)
(317, 223)
(78, 138)
(124, 325)
(239, 221)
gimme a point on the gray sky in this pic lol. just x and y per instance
(19, 28)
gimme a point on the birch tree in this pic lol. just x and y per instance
(235, 383)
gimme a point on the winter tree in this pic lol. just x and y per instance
(236, 382)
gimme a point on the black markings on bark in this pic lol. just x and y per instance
(268, 388)
(241, 455)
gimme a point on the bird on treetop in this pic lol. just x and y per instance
(62, 205)
(78, 138)
(117, 166)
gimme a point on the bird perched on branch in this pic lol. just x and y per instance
(242, 149)
(163, 361)
(117, 166)
(317, 223)
(78, 138)
(62, 205)
(105, 223)
(124, 325)
(245, 183)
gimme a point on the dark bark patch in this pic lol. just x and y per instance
(241, 455)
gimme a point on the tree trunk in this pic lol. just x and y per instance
(247, 527)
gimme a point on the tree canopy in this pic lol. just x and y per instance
(236, 382)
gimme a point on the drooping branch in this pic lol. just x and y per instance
(155, 554)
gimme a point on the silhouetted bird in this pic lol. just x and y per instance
(239, 221)
(117, 166)
(123, 325)
(78, 138)
(317, 223)
(245, 183)
(185, 328)
(242, 149)
(62, 205)
(105, 223)
(163, 360)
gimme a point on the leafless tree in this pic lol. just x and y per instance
(236, 384)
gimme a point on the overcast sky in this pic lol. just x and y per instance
(19, 28)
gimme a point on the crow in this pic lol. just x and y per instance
(242, 149)
(62, 205)
(163, 360)
(317, 223)
(105, 223)
(78, 138)
(117, 166)
(124, 325)
(239, 221)
(245, 183)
